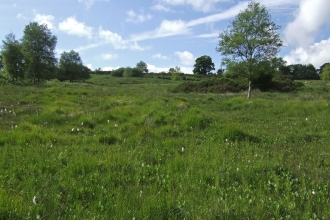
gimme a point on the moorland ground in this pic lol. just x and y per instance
(116, 148)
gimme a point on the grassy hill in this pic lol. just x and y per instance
(118, 148)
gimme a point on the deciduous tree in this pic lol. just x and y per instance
(13, 58)
(71, 67)
(142, 66)
(203, 65)
(39, 50)
(325, 74)
(252, 37)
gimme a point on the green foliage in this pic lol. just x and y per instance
(71, 67)
(283, 83)
(12, 57)
(233, 133)
(203, 65)
(250, 39)
(325, 74)
(300, 71)
(132, 72)
(213, 85)
(106, 150)
(39, 51)
(118, 72)
(142, 66)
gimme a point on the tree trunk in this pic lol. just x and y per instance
(249, 91)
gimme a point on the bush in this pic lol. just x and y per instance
(283, 83)
(118, 72)
(213, 85)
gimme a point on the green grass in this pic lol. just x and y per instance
(116, 148)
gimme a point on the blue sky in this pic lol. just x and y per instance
(165, 33)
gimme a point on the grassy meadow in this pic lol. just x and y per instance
(116, 148)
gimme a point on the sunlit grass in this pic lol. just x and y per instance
(116, 149)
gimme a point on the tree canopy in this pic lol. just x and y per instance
(38, 45)
(71, 67)
(142, 66)
(325, 74)
(13, 58)
(252, 37)
(203, 65)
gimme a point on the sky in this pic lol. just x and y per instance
(109, 34)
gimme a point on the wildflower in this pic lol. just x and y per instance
(82, 123)
(182, 149)
(72, 129)
(116, 125)
(108, 121)
(226, 140)
(140, 193)
(142, 164)
(313, 192)
(306, 119)
(34, 200)
(15, 126)
(77, 129)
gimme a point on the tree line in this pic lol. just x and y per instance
(33, 57)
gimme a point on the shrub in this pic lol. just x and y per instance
(283, 83)
(118, 72)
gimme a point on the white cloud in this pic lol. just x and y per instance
(198, 5)
(87, 47)
(89, 66)
(211, 35)
(109, 68)
(230, 13)
(167, 28)
(153, 68)
(73, 27)
(133, 17)
(317, 54)
(88, 3)
(116, 40)
(160, 56)
(44, 19)
(310, 17)
(19, 15)
(109, 56)
(160, 7)
(186, 58)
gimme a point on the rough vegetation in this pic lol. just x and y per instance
(113, 148)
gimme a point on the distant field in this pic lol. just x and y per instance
(116, 148)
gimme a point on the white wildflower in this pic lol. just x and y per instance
(116, 125)
(313, 192)
(82, 123)
(34, 200)
(72, 129)
(306, 119)
(108, 121)
(77, 129)
(142, 164)
(182, 149)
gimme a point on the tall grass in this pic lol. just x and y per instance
(112, 149)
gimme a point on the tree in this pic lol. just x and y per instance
(250, 39)
(325, 74)
(1, 61)
(13, 58)
(142, 66)
(203, 65)
(71, 67)
(39, 50)
(176, 69)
